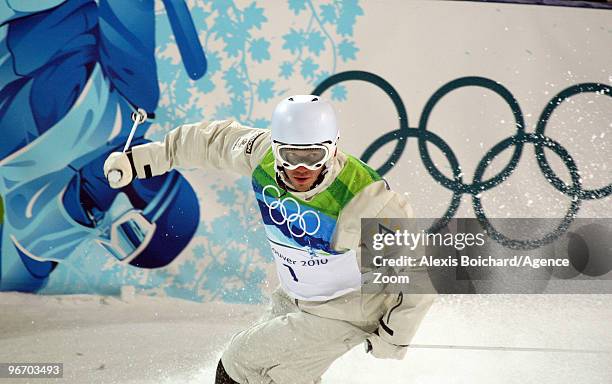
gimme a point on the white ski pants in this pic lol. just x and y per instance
(288, 345)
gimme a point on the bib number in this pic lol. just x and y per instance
(292, 272)
(313, 276)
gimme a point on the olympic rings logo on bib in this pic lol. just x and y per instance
(297, 216)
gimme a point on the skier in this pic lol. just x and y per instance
(312, 198)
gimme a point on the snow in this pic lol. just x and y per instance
(463, 339)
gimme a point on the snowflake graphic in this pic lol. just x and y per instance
(319, 37)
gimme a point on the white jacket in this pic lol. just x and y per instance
(227, 145)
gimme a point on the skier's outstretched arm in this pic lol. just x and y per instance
(222, 144)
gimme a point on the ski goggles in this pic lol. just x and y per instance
(311, 157)
(130, 234)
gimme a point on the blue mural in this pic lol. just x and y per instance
(71, 74)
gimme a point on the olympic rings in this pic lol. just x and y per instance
(456, 185)
(297, 216)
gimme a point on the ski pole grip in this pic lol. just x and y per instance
(114, 176)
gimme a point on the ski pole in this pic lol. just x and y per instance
(138, 118)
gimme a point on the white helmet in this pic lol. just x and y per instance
(304, 119)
